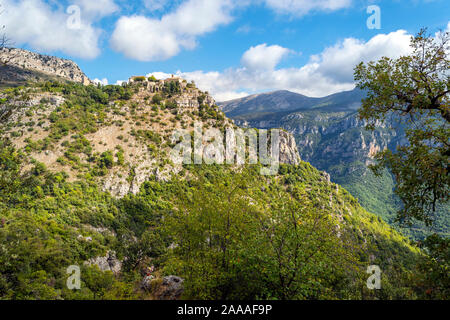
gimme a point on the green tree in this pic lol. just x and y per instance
(106, 160)
(241, 237)
(413, 90)
(211, 230)
(10, 165)
(305, 254)
(434, 269)
(157, 99)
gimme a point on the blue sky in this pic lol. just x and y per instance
(231, 48)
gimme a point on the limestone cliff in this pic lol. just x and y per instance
(21, 65)
(288, 149)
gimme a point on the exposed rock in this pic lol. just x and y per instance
(81, 237)
(326, 176)
(118, 187)
(107, 263)
(170, 289)
(146, 283)
(29, 61)
(288, 149)
(16, 108)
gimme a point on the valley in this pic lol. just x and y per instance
(330, 135)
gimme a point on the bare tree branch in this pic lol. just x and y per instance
(5, 42)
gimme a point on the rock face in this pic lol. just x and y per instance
(288, 149)
(24, 62)
(107, 263)
(170, 289)
(146, 283)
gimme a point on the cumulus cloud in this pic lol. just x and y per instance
(326, 73)
(303, 7)
(263, 57)
(156, 39)
(96, 8)
(144, 39)
(45, 29)
(103, 81)
(147, 39)
(338, 61)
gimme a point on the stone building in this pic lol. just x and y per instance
(189, 96)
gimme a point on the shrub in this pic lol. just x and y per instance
(157, 99)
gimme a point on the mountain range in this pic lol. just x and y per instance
(330, 135)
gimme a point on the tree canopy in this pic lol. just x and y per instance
(413, 90)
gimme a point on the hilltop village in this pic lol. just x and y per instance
(187, 94)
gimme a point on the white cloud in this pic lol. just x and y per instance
(263, 57)
(46, 29)
(147, 39)
(326, 73)
(159, 75)
(338, 61)
(144, 39)
(303, 7)
(155, 5)
(230, 95)
(96, 8)
(103, 81)
(155, 39)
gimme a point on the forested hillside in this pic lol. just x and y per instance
(227, 231)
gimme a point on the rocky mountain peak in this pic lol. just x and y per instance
(19, 65)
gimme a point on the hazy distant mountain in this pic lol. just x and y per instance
(284, 101)
(265, 102)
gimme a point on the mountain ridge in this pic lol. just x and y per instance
(284, 101)
(19, 65)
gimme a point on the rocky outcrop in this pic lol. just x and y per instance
(20, 64)
(171, 288)
(148, 283)
(288, 149)
(120, 186)
(107, 263)
(167, 288)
